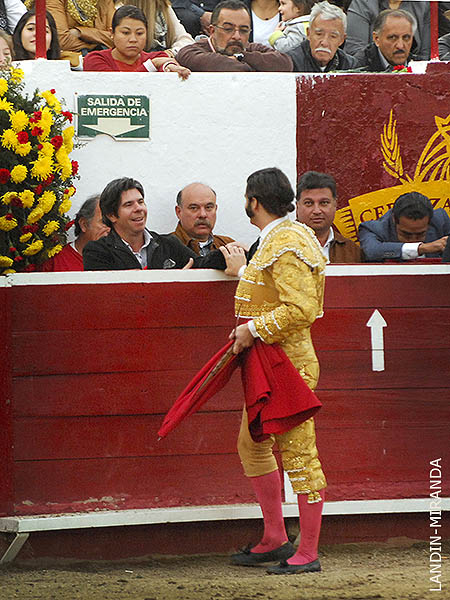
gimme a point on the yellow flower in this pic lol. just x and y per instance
(3, 86)
(8, 271)
(9, 139)
(34, 248)
(71, 191)
(51, 100)
(16, 75)
(46, 201)
(50, 227)
(68, 134)
(36, 214)
(42, 168)
(54, 250)
(27, 197)
(46, 150)
(23, 149)
(6, 198)
(45, 122)
(7, 224)
(25, 237)
(65, 205)
(5, 105)
(5, 261)
(18, 173)
(19, 120)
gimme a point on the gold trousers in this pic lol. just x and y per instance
(298, 452)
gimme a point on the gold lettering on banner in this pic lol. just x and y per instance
(431, 178)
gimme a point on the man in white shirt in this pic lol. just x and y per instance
(316, 207)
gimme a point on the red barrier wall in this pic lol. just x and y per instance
(95, 367)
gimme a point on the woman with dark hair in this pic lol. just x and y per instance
(129, 36)
(24, 37)
(165, 32)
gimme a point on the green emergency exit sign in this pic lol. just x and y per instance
(122, 117)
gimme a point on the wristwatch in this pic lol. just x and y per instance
(239, 56)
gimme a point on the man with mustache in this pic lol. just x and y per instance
(129, 244)
(196, 210)
(393, 35)
(320, 52)
(228, 48)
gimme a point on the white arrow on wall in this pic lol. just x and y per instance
(113, 126)
(376, 324)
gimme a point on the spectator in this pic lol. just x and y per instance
(129, 35)
(10, 13)
(316, 207)
(88, 226)
(195, 15)
(264, 19)
(361, 19)
(6, 49)
(196, 210)
(165, 32)
(228, 47)
(444, 47)
(129, 245)
(83, 29)
(24, 37)
(393, 34)
(321, 52)
(292, 30)
(409, 230)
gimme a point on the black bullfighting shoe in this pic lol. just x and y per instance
(247, 558)
(285, 568)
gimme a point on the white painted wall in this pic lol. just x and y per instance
(215, 127)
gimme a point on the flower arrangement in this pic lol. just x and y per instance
(36, 174)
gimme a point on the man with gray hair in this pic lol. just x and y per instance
(89, 226)
(393, 35)
(320, 52)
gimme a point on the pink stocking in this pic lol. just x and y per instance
(310, 521)
(268, 492)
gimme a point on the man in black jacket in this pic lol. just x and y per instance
(320, 52)
(129, 245)
(393, 35)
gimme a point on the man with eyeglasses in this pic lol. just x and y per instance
(320, 52)
(228, 48)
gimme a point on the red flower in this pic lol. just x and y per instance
(40, 146)
(49, 180)
(69, 224)
(52, 91)
(36, 131)
(29, 268)
(4, 176)
(22, 137)
(38, 189)
(34, 227)
(9, 217)
(68, 115)
(37, 115)
(18, 259)
(57, 141)
(16, 201)
(74, 167)
(12, 249)
(26, 229)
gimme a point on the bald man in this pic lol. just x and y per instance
(196, 210)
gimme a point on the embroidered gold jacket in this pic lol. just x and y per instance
(282, 289)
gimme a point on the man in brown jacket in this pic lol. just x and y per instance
(196, 210)
(316, 207)
(228, 48)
